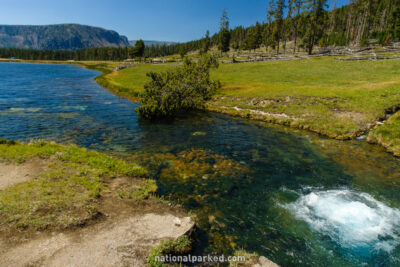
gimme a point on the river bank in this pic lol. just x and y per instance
(336, 105)
(64, 205)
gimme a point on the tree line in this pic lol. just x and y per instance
(96, 53)
(305, 23)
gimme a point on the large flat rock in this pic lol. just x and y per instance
(121, 243)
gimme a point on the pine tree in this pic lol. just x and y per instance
(316, 22)
(278, 15)
(224, 34)
(138, 50)
(268, 28)
(296, 6)
(253, 38)
(206, 43)
(131, 52)
(395, 27)
(182, 51)
(258, 35)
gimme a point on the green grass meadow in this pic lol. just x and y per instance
(131, 81)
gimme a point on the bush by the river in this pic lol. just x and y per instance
(179, 90)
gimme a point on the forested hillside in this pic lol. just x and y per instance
(58, 37)
(95, 53)
(308, 23)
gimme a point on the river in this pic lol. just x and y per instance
(295, 197)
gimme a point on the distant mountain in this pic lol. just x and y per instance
(59, 36)
(151, 42)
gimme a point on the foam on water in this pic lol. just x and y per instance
(353, 220)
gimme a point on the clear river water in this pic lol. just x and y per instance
(295, 197)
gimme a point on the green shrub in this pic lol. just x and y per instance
(7, 142)
(179, 90)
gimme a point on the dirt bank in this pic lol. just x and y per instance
(124, 242)
(121, 234)
(11, 173)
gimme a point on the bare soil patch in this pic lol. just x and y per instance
(12, 173)
(356, 117)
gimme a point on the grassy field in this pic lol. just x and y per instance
(130, 81)
(67, 193)
(336, 98)
(388, 134)
(340, 99)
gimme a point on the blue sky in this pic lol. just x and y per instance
(167, 20)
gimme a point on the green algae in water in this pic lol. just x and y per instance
(24, 110)
(198, 133)
(68, 115)
(82, 108)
